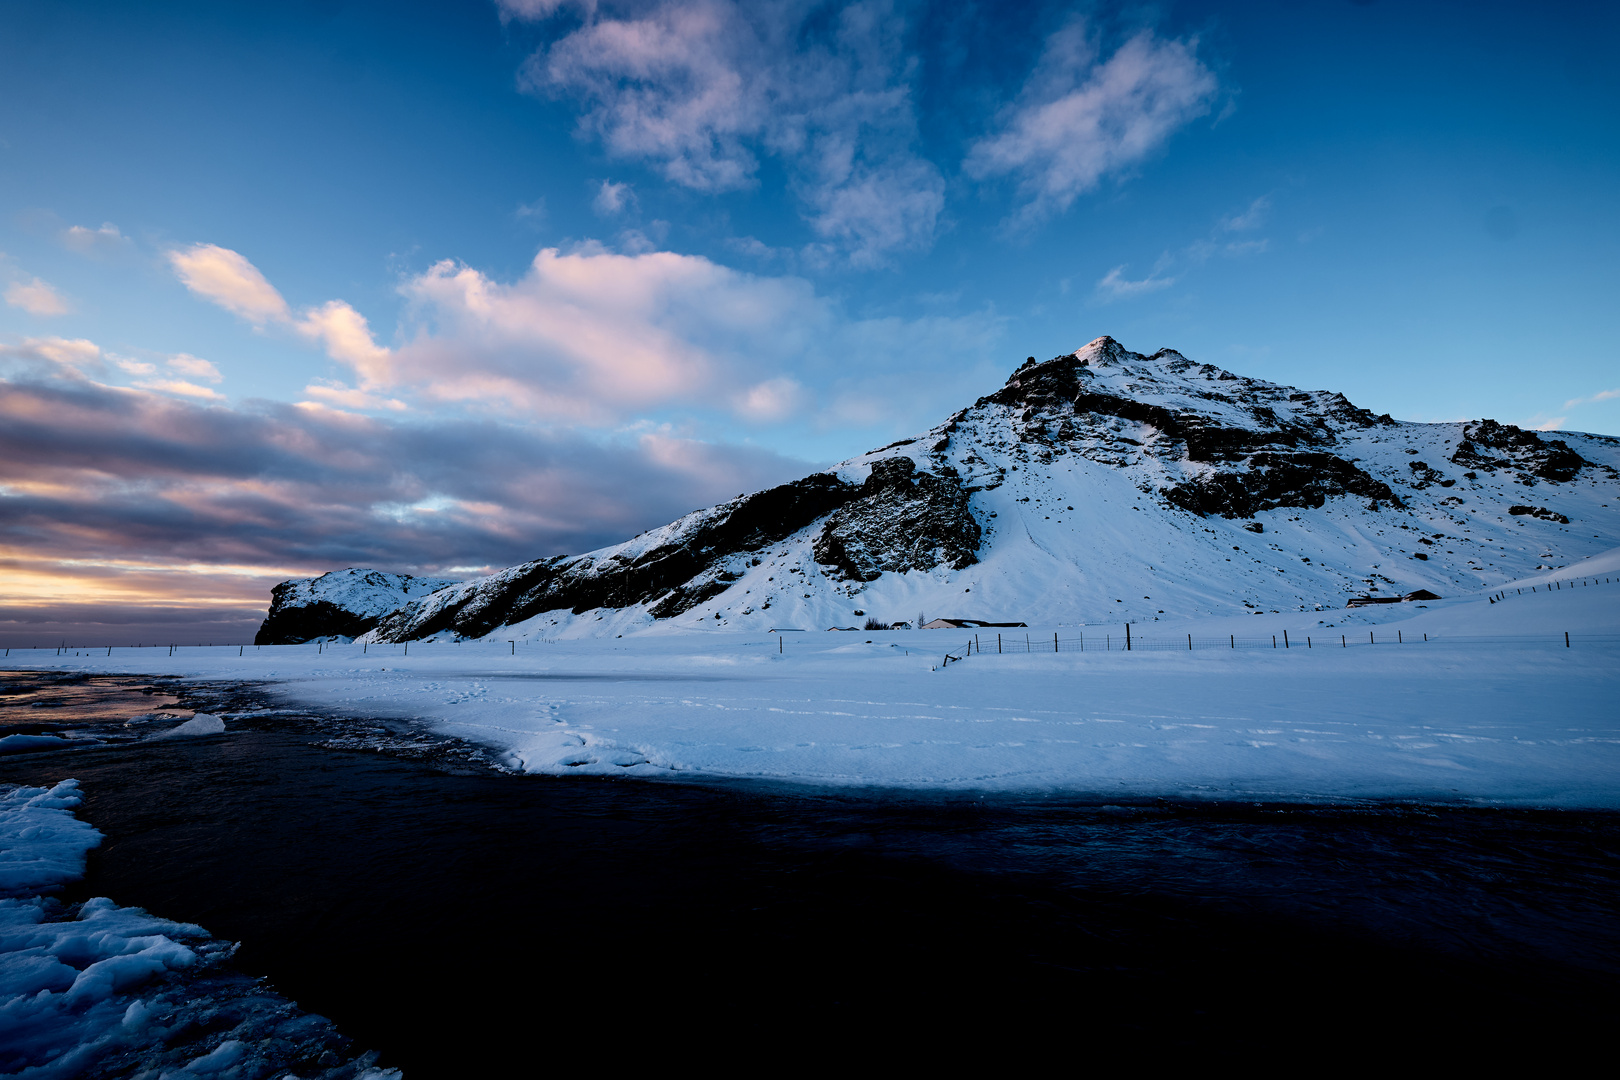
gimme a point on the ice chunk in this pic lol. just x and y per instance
(200, 724)
(42, 845)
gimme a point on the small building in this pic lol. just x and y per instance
(965, 624)
(1368, 601)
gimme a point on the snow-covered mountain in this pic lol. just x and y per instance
(1101, 486)
(341, 605)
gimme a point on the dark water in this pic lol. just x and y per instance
(458, 919)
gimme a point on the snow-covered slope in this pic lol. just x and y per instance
(1100, 486)
(339, 606)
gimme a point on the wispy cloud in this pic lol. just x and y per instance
(37, 298)
(88, 241)
(195, 367)
(613, 199)
(62, 354)
(1601, 395)
(595, 337)
(1249, 219)
(226, 278)
(1080, 118)
(1220, 242)
(701, 89)
(1114, 285)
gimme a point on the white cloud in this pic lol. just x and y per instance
(331, 392)
(1078, 120)
(89, 241)
(613, 199)
(595, 337)
(36, 298)
(194, 366)
(135, 367)
(1555, 424)
(346, 335)
(702, 88)
(73, 354)
(229, 280)
(1115, 286)
(770, 400)
(181, 387)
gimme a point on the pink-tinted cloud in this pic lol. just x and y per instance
(37, 298)
(226, 278)
(121, 498)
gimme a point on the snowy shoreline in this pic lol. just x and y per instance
(99, 986)
(1491, 710)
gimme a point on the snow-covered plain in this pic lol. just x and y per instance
(1473, 699)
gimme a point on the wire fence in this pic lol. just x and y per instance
(1128, 641)
(1125, 639)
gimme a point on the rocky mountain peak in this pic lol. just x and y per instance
(1086, 481)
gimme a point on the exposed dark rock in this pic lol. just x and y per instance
(903, 520)
(1538, 512)
(673, 577)
(1550, 459)
(1274, 480)
(343, 604)
(1423, 474)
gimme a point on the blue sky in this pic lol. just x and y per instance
(437, 287)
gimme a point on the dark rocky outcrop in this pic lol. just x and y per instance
(903, 520)
(341, 604)
(1275, 480)
(672, 577)
(1515, 448)
(1538, 512)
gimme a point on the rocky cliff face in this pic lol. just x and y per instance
(343, 604)
(1101, 484)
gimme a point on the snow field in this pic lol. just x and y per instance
(1493, 709)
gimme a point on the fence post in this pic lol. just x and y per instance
(1566, 639)
(1127, 637)
(1342, 643)
(1273, 641)
(1285, 639)
(1307, 641)
(1232, 640)
(998, 644)
(1399, 640)
(1054, 641)
(1189, 643)
(1370, 640)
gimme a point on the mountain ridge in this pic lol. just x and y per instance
(1160, 472)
